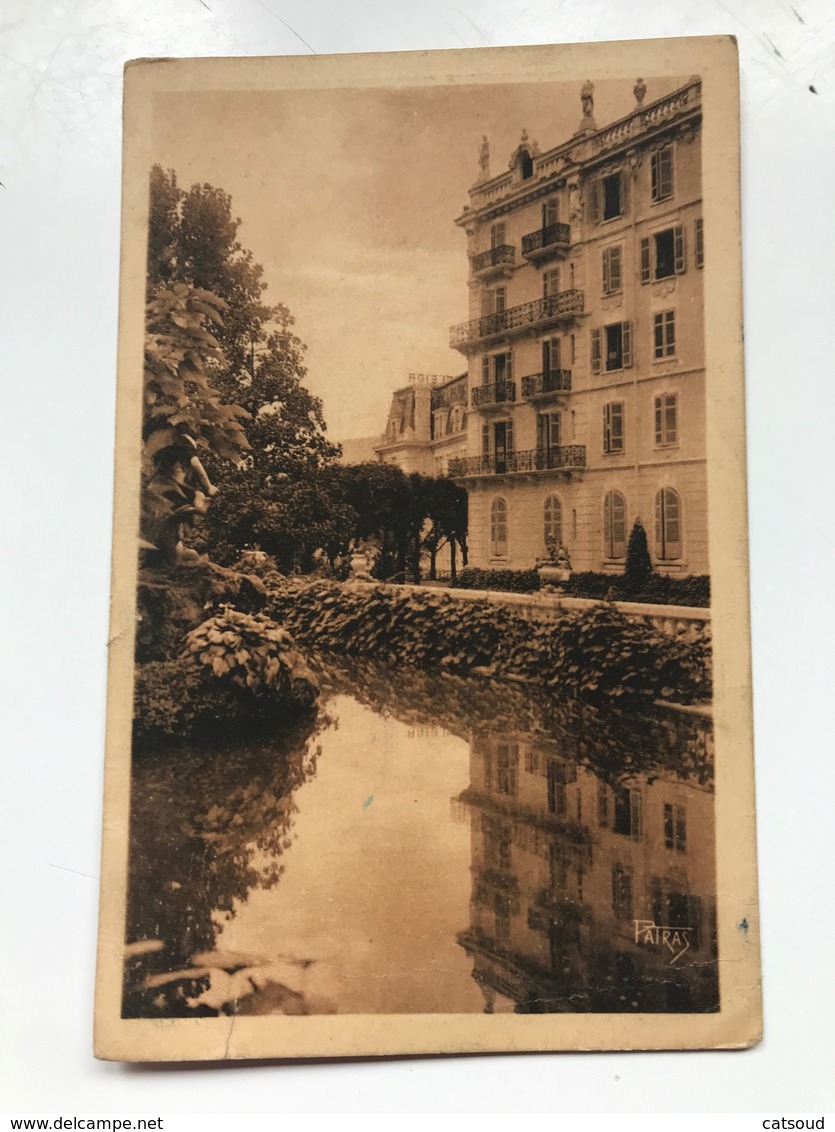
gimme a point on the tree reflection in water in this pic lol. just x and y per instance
(582, 822)
(206, 826)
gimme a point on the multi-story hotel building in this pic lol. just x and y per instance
(576, 879)
(426, 425)
(585, 345)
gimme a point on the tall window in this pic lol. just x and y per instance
(548, 431)
(498, 232)
(621, 893)
(613, 438)
(616, 341)
(612, 273)
(662, 173)
(557, 798)
(666, 419)
(607, 198)
(675, 828)
(664, 334)
(550, 356)
(493, 301)
(553, 520)
(550, 212)
(662, 254)
(667, 524)
(550, 282)
(498, 528)
(507, 757)
(614, 525)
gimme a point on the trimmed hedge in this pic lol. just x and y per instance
(656, 590)
(506, 581)
(599, 653)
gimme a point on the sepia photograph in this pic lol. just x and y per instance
(430, 700)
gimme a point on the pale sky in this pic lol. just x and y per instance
(348, 199)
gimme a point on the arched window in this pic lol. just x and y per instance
(553, 521)
(525, 165)
(498, 528)
(667, 524)
(614, 525)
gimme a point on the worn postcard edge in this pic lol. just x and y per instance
(738, 1023)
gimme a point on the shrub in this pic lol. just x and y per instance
(234, 668)
(638, 568)
(506, 581)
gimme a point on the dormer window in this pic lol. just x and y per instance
(525, 165)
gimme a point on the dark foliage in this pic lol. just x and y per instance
(506, 581)
(598, 654)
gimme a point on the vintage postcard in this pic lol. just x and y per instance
(429, 720)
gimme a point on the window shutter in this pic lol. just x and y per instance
(595, 350)
(655, 164)
(485, 440)
(646, 269)
(659, 435)
(607, 428)
(546, 356)
(594, 201)
(671, 420)
(509, 436)
(508, 372)
(485, 370)
(626, 343)
(635, 814)
(665, 181)
(607, 271)
(617, 429)
(541, 432)
(615, 269)
(624, 194)
(678, 244)
(555, 354)
(700, 242)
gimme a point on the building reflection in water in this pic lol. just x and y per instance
(590, 894)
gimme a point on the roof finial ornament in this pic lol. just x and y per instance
(639, 90)
(587, 123)
(484, 159)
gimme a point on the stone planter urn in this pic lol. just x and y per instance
(360, 567)
(551, 575)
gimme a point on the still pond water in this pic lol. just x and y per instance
(428, 844)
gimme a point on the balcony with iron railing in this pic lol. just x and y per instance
(562, 458)
(550, 240)
(498, 393)
(550, 384)
(494, 260)
(561, 307)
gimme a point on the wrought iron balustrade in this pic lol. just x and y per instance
(564, 304)
(565, 457)
(538, 384)
(551, 236)
(496, 394)
(494, 257)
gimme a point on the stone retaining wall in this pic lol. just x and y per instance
(685, 621)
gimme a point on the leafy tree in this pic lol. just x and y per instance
(184, 416)
(193, 239)
(446, 510)
(638, 567)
